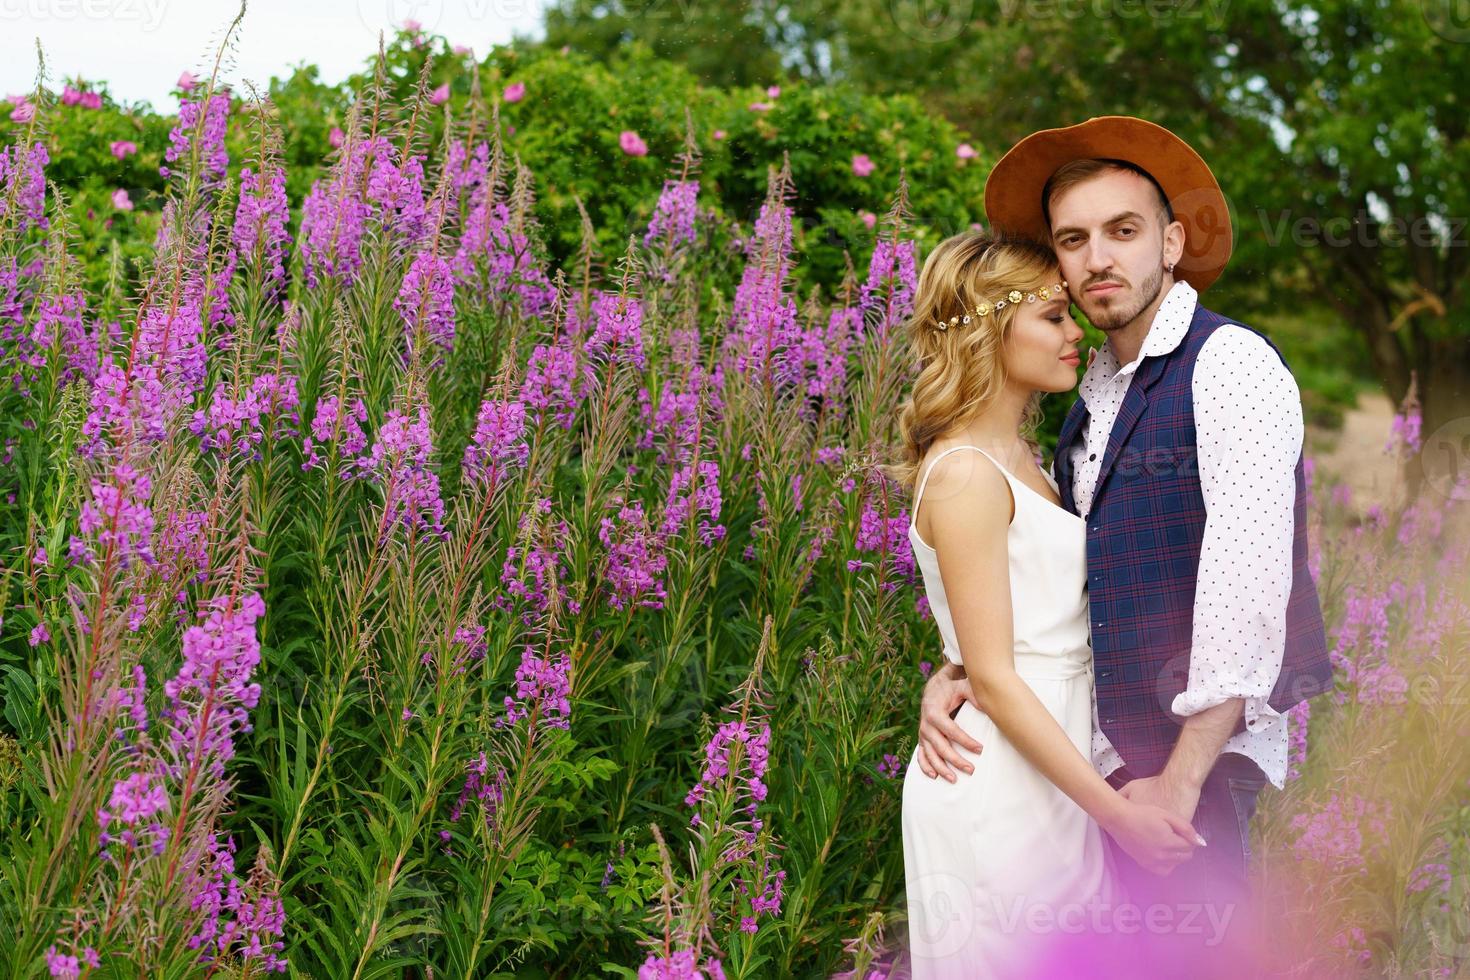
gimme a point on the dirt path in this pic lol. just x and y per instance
(1355, 455)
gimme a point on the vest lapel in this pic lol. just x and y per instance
(1134, 402)
(1071, 426)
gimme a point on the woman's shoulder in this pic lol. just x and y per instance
(964, 486)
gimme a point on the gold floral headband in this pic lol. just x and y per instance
(1013, 297)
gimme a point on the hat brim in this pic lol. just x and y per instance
(1013, 189)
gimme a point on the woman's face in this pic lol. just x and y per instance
(1041, 352)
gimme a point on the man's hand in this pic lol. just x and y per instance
(946, 689)
(1179, 797)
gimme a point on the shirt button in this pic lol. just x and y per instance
(1092, 457)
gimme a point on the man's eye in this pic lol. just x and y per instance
(1125, 231)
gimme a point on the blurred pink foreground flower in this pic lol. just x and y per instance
(121, 201)
(632, 144)
(861, 165)
(514, 92)
(123, 148)
(440, 95)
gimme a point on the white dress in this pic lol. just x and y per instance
(1002, 867)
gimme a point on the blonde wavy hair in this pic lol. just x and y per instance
(961, 370)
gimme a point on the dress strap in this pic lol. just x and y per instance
(925, 481)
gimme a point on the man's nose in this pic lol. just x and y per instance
(1098, 259)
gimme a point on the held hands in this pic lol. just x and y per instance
(1158, 839)
(946, 689)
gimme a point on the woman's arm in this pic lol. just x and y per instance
(969, 516)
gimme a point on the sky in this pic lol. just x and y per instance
(139, 47)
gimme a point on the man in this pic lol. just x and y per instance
(1183, 454)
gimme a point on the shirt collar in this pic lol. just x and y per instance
(1171, 323)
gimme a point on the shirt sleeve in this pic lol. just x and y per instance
(1248, 437)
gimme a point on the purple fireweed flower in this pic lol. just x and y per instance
(399, 462)
(635, 559)
(398, 192)
(533, 566)
(617, 336)
(213, 158)
(62, 965)
(40, 634)
(243, 920)
(23, 186)
(763, 322)
(887, 297)
(211, 696)
(1334, 834)
(136, 798)
(498, 444)
(116, 517)
(674, 215)
(261, 217)
(543, 687)
(483, 788)
(755, 738)
(498, 260)
(679, 965)
(331, 424)
(767, 901)
(426, 303)
(183, 545)
(556, 384)
(334, 216)
(888, 537)
(698, 500)
(239, 422)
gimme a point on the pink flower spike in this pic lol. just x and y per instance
(965, 152)
(123, 148)
(335, 137)
(460, 50)
(632, 144)
(514, 92)
(773, 91)
(121, 201)
(719, 134)
(440, 95)
(22, 112)
(187, 81)
(861, 165)
(869, 218)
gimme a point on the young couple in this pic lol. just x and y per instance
(1123, 636)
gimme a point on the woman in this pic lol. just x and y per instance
(1000, 858)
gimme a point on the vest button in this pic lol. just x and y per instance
(1092, 457)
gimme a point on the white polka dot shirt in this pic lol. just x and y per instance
(1248, 434)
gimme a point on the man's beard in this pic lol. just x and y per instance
(1147, 293)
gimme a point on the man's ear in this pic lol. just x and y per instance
(1173, 242)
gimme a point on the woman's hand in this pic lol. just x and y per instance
(1157, 839)
(947, 688)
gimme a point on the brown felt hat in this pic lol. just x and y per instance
(1013, 189)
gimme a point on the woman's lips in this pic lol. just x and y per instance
(1072, 359)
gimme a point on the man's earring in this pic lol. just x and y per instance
(1170, 267)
